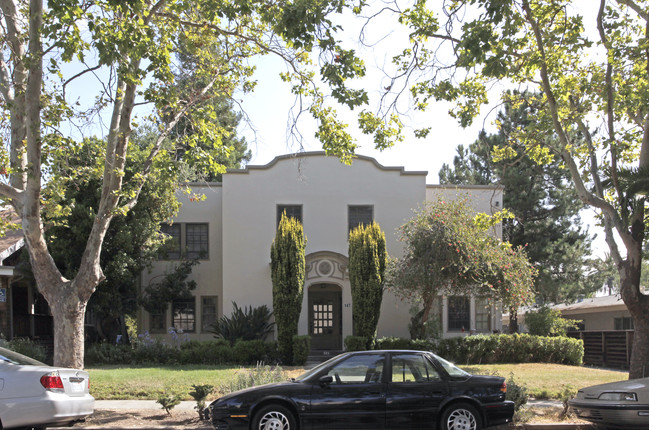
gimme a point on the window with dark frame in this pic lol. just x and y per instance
(209, 312)
(359, 214)
(171, 248)
(623, 323)
(197, 241)
(292, 211)
(184, 315)
(157, 323)
(482, 315)
(459, 313)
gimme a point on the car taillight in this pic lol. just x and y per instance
(52, 382)
(503, 387)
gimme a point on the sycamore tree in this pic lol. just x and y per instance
(591, 75)
(448, 250)
(130, 48)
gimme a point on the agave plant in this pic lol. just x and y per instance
(246, 323)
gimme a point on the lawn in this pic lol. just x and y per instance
(112, 383)
(546, 381)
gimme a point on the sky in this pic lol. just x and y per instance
(267, 111)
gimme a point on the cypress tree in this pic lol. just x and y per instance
(288, 272)
(367, 263)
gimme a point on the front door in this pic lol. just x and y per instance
(325, 317)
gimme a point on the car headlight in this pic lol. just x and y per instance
(628, 397)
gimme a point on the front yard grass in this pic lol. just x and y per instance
(147, 383)
(546, 381)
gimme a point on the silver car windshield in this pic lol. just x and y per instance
(8, 356)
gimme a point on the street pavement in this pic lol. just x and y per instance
(189, 405)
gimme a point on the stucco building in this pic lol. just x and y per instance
(232, 228)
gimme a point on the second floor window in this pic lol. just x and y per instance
(171, 248)
(358, 215)
(292, 211)
(197, 241)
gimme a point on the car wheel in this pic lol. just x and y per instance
(274, 417)
(461, 416)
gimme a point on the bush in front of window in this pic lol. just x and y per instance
(245, 323)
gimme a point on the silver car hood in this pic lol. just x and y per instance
(630, 385)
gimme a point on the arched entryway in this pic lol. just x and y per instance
(325, 316)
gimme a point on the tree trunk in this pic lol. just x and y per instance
(637, 303)
(513, 321)
(68, 313)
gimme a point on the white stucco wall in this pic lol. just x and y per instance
(325, 188)
(242, 217)
(207, 273)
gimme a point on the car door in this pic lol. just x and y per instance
(414, 393)
(352, 396)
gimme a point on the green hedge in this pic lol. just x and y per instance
(403, 343)
(511, 348)
(301, 349)
(193, 352)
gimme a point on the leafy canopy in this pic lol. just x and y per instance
(448, 250)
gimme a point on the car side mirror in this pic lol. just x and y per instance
(326, 380)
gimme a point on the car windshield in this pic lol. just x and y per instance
(315, 370)
(8, 356)
(452, 370)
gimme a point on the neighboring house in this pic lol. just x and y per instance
(23, 310)
(232, 229)
(597, 313)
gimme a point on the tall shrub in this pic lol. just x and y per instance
(367, 262)
(288, 271)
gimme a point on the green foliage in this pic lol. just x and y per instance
(568, 393)
(367, 264)
(545, 204)
(156, 297)
(548, 46)
(157, 352)
(168, 402)
(132, 240)
(446, 252)
(244, 324)
(425, 330)
(259, 375)
(548, 322)
(107, 353)
(356, 343)
(402, 343)
(301, 349)
(288, 273)
(28, 347)
(514, 348)
(516, 393)
(200, 393)
(251, 352)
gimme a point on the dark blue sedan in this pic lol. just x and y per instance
(371, 390)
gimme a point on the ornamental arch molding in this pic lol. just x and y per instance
(326, 266)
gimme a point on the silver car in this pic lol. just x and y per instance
(35, 395)
(623, 404)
